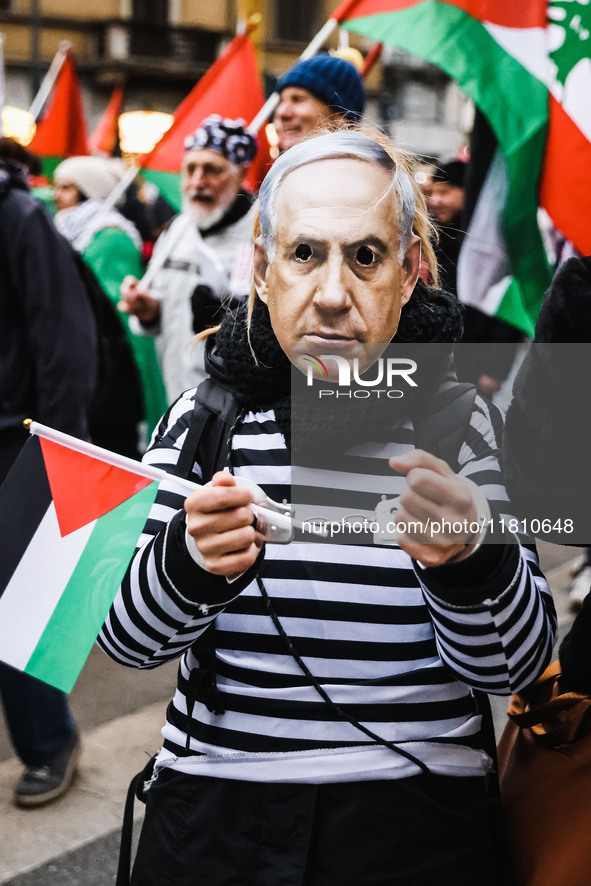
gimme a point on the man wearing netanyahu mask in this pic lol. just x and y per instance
(327, 726)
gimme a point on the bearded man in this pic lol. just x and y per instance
(207, 247)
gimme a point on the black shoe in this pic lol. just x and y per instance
(41, 784)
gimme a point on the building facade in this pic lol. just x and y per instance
(160, 48)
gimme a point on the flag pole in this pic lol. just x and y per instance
(266, 509)
(311, 49)
(2, 79)
(108, 203)
(371, 58)
(105, 455)
(49, 79)
(121, 187)
(173, 237)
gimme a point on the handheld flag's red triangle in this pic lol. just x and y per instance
(84, 488)
(105, 137)
(62, 132)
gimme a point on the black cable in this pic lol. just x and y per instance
(322, 692)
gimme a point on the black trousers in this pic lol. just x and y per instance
(422, 831)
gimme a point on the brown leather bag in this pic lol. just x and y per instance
(545, 779)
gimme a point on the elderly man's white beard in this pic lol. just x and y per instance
(206, 218)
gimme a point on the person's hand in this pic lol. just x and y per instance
(221, 522)
(138, 302)
(437, 510)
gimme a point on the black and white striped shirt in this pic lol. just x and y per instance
(400, 648)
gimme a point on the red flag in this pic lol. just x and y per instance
(106, 135)
(232, 88)
(63, 132)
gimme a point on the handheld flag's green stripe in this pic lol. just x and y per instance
(169, 184)
(515, 103)
(73, 627)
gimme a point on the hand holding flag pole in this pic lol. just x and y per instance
(2, 80)
(71, 517)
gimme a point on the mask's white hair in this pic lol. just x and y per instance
(341, 144)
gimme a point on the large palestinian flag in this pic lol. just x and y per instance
(525, 64)
(69, 524)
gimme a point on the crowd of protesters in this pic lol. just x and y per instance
(329, 724)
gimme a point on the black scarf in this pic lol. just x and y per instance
(430, 317)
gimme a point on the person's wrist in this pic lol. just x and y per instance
(479, 523)
(197, 556)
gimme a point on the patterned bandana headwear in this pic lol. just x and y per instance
(229, 137)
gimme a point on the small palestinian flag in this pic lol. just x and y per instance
(69, 523)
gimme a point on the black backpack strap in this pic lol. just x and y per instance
(208, 438)
(444, 428)
(207, 442)
(135, 790)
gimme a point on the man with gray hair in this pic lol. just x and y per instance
(202, 261)
(327, 727)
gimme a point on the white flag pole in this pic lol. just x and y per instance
(2, 79)
(108, 203)
(105, 455)
(311, 49)
(49, 80)
(173, 237)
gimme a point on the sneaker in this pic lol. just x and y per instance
(579, 589)
(41, 784)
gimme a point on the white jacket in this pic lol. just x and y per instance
(221, 262)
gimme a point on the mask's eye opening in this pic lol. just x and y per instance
(365, 255)
(303, 252)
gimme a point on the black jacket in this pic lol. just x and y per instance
(47, 330)
(546, 453)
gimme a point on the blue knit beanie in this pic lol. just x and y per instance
(332, 80)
